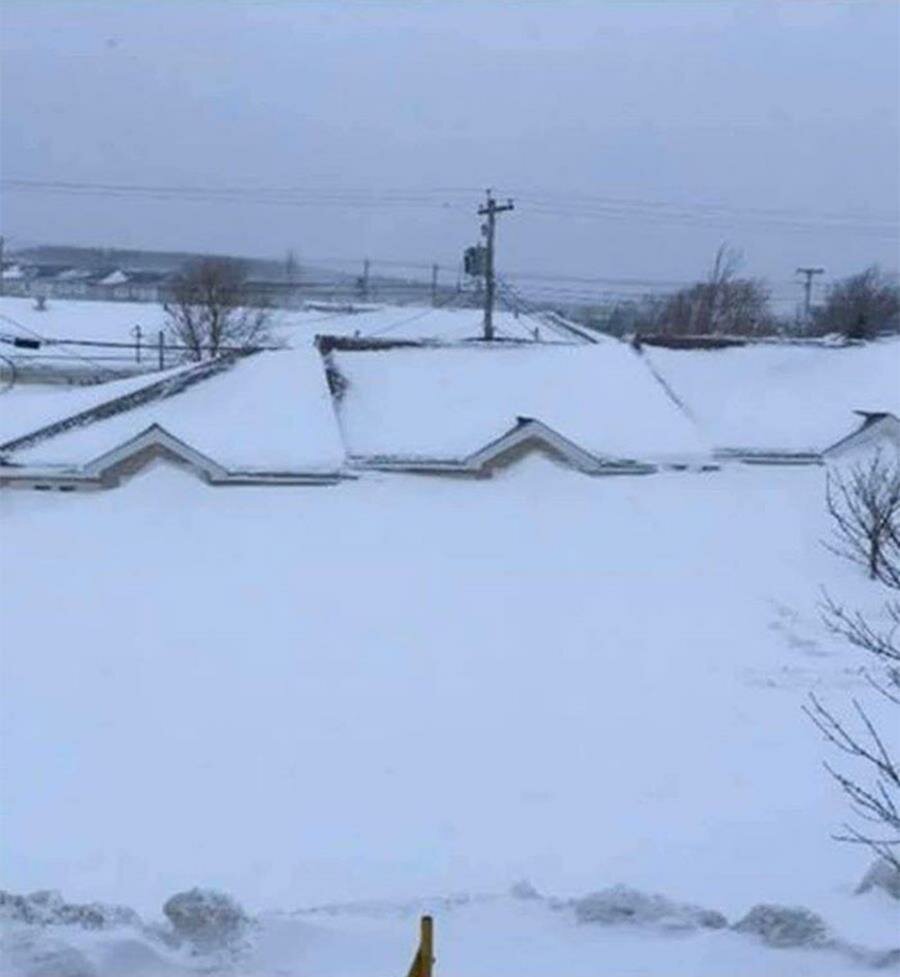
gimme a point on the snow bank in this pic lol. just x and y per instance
(446, 403)
(477, 935)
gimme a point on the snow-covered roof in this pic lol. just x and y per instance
(270, 412)
(117, 277)
(782, 397)
(75, 274)
(25, 407)
(877, 432)
(449, 402)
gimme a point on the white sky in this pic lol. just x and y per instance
(750, 106)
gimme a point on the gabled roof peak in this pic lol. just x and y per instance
(872, 415)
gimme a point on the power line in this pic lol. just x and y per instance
(792, 225)
(453, 297)
(538, 203)
(554, 198)
(14, 322)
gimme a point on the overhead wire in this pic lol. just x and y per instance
(36, 335)
(413, 318)
(539, 203)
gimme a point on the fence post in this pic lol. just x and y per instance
(427, 946)
(424, 959)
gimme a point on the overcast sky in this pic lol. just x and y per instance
(634, 136)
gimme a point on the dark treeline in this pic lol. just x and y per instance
(725, 303)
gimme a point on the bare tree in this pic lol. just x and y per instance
(865, 514)
(723, 304)
(878, 801)
(861, 306)
(209, 310)
(864, 503)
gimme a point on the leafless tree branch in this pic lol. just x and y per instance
(864, 504)
(209, 310)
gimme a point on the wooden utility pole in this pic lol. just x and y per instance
(807, 288)
(161, 348)
(365, 279)
(434, 281)
(490, 209)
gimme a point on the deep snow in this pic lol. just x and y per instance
(478, 936)
(405, 686)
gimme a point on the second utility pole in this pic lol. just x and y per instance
(490, 210)
(807, 289)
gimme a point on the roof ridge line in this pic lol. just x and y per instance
(155, 390)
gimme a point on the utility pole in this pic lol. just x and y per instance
(434, 279)
(490, 209)
(161, 349)
(365, 279)
(137, 332)
(809, 273)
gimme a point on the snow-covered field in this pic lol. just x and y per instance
(113, 322)
(404, 687)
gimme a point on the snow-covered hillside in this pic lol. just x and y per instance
(405, 687)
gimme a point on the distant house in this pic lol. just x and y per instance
(47, 281)
(117, 277)
(123, 285)
(879, 431)
(77, 282)
(12, 271)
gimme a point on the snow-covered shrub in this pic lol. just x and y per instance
(207, 919)
(48, 908)
(622, 904)
(881, 875)
(523, 889)
(782, 926)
